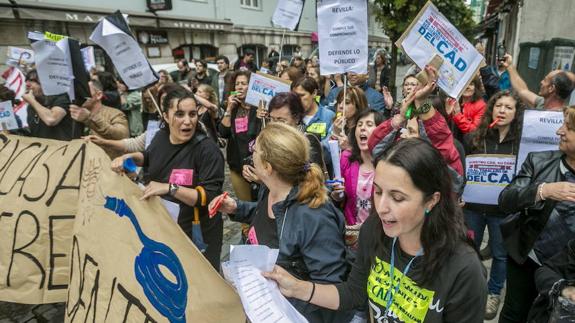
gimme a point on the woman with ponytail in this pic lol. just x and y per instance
(294, 214)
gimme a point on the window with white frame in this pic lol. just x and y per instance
(252, 4)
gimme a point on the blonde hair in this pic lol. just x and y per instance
(288, 152)
(210, 90)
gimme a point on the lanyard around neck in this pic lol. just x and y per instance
(394, 288)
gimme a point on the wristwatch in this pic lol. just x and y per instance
(173, 189)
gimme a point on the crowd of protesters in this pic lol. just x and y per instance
(394, 225)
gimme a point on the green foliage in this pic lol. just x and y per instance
(396, 15)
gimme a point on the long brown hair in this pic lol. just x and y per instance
(487, 119)
(288, 152)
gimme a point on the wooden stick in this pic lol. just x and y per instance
(155, 103)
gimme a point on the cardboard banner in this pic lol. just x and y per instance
(342, 30)
(20, 55)
(7, 116)
(539, 133)
(107, 247)
(39, 186)
(113, 34)
(431, 34)
(487, 175)
(54, 67)
(264, 87)
(288, 14)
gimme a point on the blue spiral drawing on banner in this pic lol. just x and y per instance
(168, 298)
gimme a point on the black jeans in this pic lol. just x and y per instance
(521, 291)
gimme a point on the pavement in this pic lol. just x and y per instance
(54, 313)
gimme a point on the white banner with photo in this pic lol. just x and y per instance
(126, 54)
(539, 133)
(7, 117)
(487, 175)
(342, 31)
(264, 87)
(287, 13)
(431, 34)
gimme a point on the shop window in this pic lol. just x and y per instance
(251, 4)
(205, 51)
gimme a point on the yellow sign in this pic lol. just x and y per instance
(410, 302)
(319, 128)
(53, 37)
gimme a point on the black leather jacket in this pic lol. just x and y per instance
(521, 230)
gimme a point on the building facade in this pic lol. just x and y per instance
(199, 29)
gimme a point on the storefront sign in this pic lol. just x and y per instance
(431, 34)
(153, 37)
(79, 17)
(487, 176)
(186, 24)
(342, 29)
(264, 87)
(539, 133)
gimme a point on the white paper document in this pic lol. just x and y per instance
(261, 298)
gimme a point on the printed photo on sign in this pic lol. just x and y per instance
(487, 175)
(432, 34)
(539, 133)
(264, 87)
(342, 30)
(7, 117)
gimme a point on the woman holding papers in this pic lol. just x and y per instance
(293, 214)
(499, 133)
(414, 262)
(184, 166)
(240, 125)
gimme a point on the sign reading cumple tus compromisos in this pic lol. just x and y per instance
(72, 230)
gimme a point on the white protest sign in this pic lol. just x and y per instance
(287, 14)
(264, 87)
(342, 30)
(153, 127)
(89, 58)
(15, 81)
(21, 54)
(125, 53)
(487, 175)
(539, 133)
(7, 118)
(432, 34)
(54, 67)
(21, 110)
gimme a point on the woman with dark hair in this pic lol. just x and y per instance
(414, 263)
(294, 214)
(379, 72)
(317, 118)
(111, 95)
(240, 125)
(346, 116)
(209, 111)
(357, 171)
(500, 139)
(466, 114)
(323, 82)
(183, 166)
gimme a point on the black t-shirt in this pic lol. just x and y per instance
(241, 137)
(263, 229)
(66, 129)
(200, 157)
(457, 294)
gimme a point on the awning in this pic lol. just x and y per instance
(194, 23)
(6, 11)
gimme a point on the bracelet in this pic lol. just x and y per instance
(312, 292)
(541, 198)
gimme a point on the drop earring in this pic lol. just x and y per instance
(427, 212)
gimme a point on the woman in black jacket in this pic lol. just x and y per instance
(542, 196)
(500, 139)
